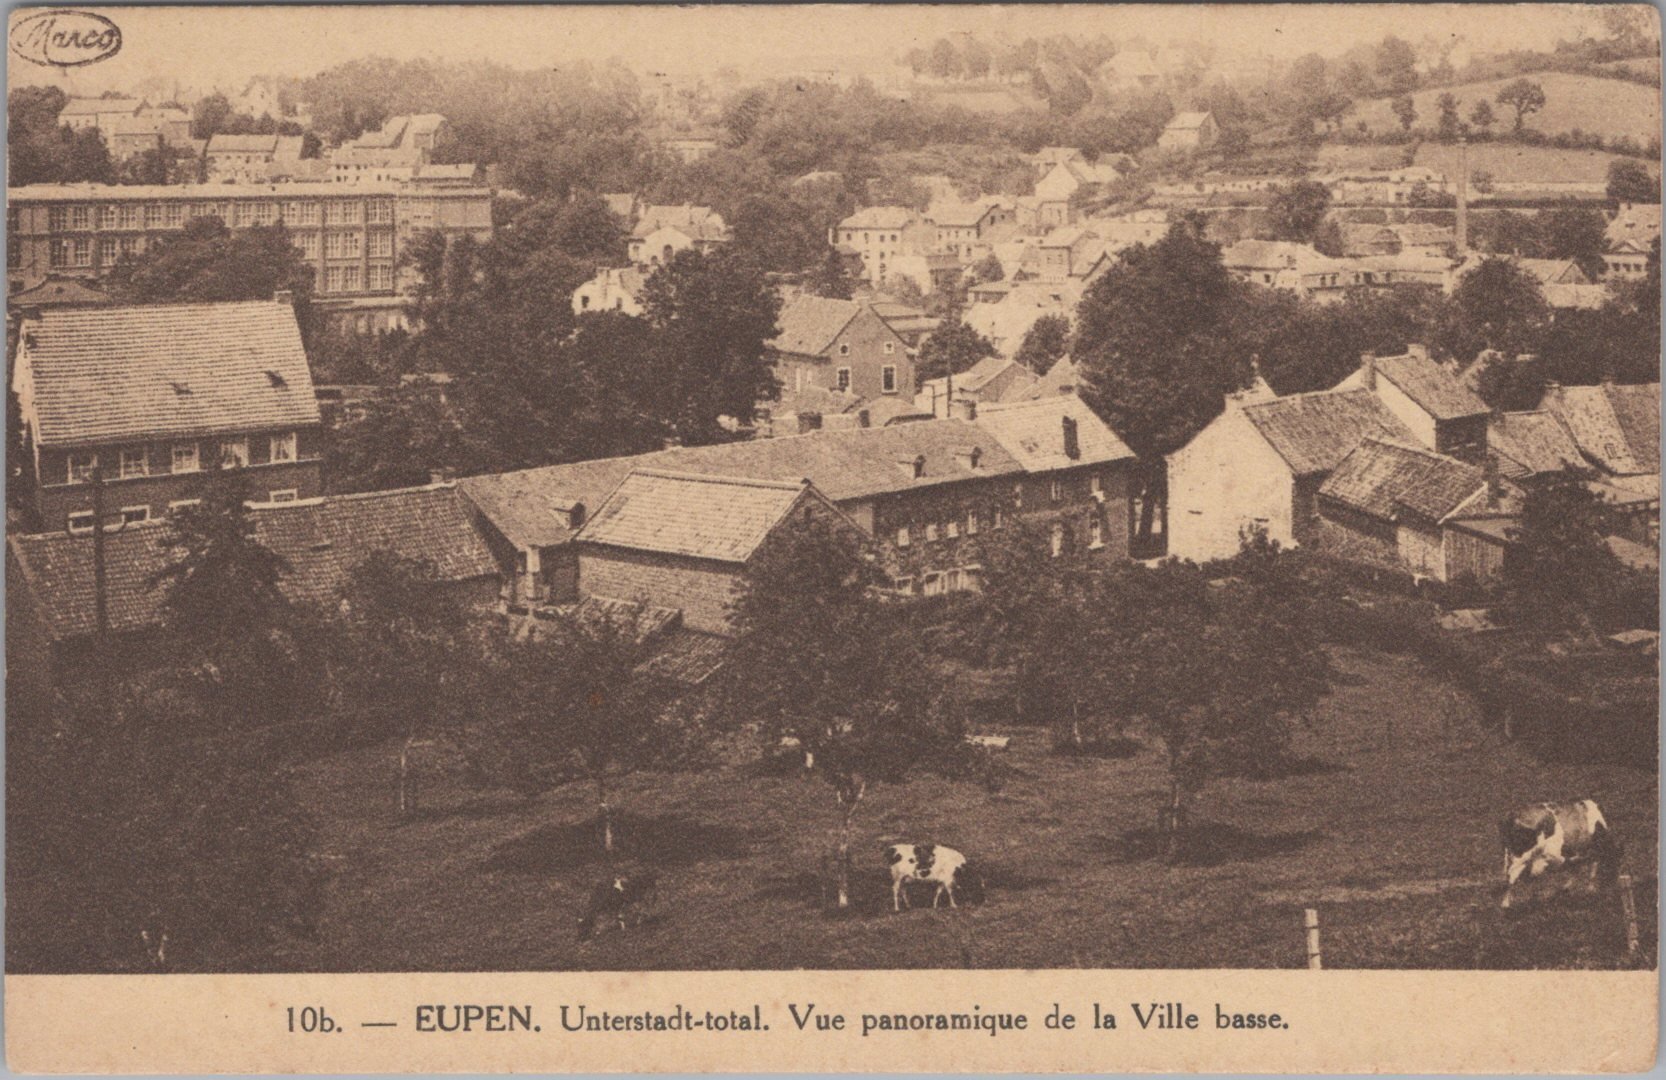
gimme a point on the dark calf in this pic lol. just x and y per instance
(611, 899)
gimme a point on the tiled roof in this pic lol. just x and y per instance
(95, 106)
(1033, 432)
(879, 217)
(242, 144)
(1281, 255)
(1187, 121)
(1061, 378)
(1639, 222)
(531, 507)
(808, 324)
(622, 203)
(1433, 386)
(44, 193)
(1387, 479)
(687, 656)
(384, 156)
(696, 222)
(1562, 295)
(1314, 432)
(1618, 427)
(703, 517)
(102, 374)
(1531, 443)
(958, 214)
(321, 540)
(59, 290)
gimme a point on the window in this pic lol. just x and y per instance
(266, 213)
(154, 215)
(243, 215)
(173, 215)
(81, 251)
(107, 216)
(130, 216)
(931, 532)
(381, 245)
(339, 245)
(180, 504)
(1000, 517)
(844, 348)
(1056, 489)
(888, 377)
(841, 379)
(307, 213)
(81, 521)
(135, 462)
(234, 453)
(904, 585)
(133, 515)
(283, 447)
(332, 279)
(379, 212)
(1096, 484)
(352, 278)
(952, 530)
(185, 457)
(81, 467)
(80, 217)
(1096, 532)
(60, 253)
(284, 495)
(308, 245)
(57, 218)
(381, 277)
(342, 212)
(902, 536)
(1018, 495)
(108, 251)
(933, 585)
(890, 348)
(971, 523)
(1056, 545)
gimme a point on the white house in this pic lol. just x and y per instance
(612, 289)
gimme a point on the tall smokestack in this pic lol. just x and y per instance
(1463, 196)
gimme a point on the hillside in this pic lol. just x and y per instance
(1511, 161)
(1608, 107)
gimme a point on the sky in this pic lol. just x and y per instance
(222, 47)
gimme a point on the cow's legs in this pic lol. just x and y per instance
(937, 898)
(897, 894)
(949, 888)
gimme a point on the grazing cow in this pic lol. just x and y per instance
(941, 866)
(610, 899)
(1548, 835)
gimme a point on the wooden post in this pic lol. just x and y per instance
(1628, 905)
(1311, 921)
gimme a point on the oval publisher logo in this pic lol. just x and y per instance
(64, 37)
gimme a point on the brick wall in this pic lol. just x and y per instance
(1348, 534)
(701, 589)
(54, 503)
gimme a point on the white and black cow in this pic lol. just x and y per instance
(935, 864)
(610, 899)
(1545, 836)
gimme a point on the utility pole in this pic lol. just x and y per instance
(101, 602)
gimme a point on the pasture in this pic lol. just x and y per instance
(1514, 162)
(1389, 830)
(1608, 107)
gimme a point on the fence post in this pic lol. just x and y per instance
(1311, 921)
(1628, 905)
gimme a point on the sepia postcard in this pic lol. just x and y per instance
(811, 538)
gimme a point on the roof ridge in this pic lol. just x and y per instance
(714, 478)
(1413, 448)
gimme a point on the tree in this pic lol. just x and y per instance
(1450, 125)
(210, 115)
(1498, 306)
(1045, 343)
(819, 658)
(1580, 235)
(1149, 342)
(1396, 66)
(1481, 116)
(207, 262)
(1524, 96)
(1296, 210)
(588, 707)
(1405, 110)
(711, 316)
(951, 349)
(987, 269)
(1559, 573)
(832, 278)
(741, 115)
(1631, 182)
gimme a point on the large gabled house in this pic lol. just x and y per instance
(1430, 398)
(840, 345)
(1189, 131)
(662, 231)
(150, 397)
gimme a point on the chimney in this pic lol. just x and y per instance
(441, 476)
(1495, 485)
(284, 297)
(1368, 368)
(966, 457)
(1421, 352)
(1072, 440)
(963, 408)
(863, 419)
(575, 516)
(912, 467)
(1463, 196)
(808, 421)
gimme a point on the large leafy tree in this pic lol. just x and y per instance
(1498, 306)
(1152, 350)
(951, 349)
(821, 659)
(1524, 96)
(207, 262)
(1631, 181)
(41, 151)
(1045, 343)
(1559, 574)
(1297, 210)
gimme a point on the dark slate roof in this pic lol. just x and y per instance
(1314, 432)
(1529, 443)
(321, 540)
(106, 374)
(1387, 479)
(531, 507)
(703, 517)
(1618, 427)
(1434, 387)
(809, 324)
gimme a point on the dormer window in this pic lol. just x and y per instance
(82, 467)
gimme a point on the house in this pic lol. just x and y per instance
(1530, 444)
(1058, 190)
(1635, 223)
(989, 381)
(910, 323)
(842, 345)
(150, 397)
(926, 489)
(58, 291)
(1617, 428)
(461, 175)
(1386, 187)
(930, 272)
(612, 289)
(1360, 240)
(51, 616)
(1006, 321)
(1070, 251)
(961, 226)
(248, 159)
(1281, 264)
(1553, 271)
(1190, 132)
(392, 152)
(682, 541)
(881, 233)
(689, 146)
(170, 121)
(1043, 160)
(1260, 465)
(1062, 378)
(1430, 399)
(1388, 503)
(662, 231)
(624, 206)
(1128, 70)
(81, 113)
(1627, 259)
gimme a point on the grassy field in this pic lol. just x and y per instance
(1390, 833)
(1609, 107)
(1509, 161)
